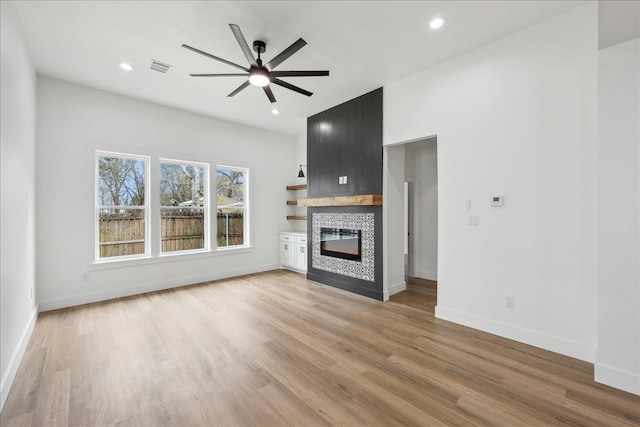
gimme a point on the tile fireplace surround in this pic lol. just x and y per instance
(364, 269)
(362, 277)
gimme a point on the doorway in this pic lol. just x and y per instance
(414, 166)
(421, 174)
(408, 229)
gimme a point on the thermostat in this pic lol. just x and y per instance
(497, 200)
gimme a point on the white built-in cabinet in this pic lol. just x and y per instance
(293, 251)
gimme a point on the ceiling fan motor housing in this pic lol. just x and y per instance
(259, 46)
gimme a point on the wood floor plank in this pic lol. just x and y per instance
(274, 349)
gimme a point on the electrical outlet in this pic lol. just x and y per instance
(509, 301)
(497, 201)
(467, 205)
(473, 220)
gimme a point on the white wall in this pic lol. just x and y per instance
(425, 211)
(75, 120)
(393, 228)
(405, 216)
(618, 362)
(300, 159)
(18, 310)
(514, 118)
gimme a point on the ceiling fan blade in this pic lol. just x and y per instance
(296, 46)
(208, 55)
(239, 89)
(217, 75)
(291, 87)
(243, 45)
(299, 73)
(269, 93)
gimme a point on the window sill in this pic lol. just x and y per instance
(169, 257)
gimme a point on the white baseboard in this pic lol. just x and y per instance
(16, 358)
(393, 289)
(527, 336)
(623, 380)
(295, 270)
(398, 287)
(429, 275)
(70, 301)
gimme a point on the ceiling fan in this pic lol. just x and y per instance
(259, 74)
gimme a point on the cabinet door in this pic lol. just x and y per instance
(287, 255)
(301, 256)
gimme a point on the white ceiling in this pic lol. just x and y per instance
(364, 44)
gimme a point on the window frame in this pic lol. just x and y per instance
(207, 206)
(246, 196)
(97, 206)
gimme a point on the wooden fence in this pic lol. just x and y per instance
(230, 226)
(123, 234)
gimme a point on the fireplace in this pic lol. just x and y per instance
(343, 243)
(342, 248)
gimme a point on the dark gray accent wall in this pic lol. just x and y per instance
(346, 140)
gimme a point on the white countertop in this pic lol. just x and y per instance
(295, 233)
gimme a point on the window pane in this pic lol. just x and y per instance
(182, 199)
(230, 207)
(120, 181)
(121, 232)
(121, 211)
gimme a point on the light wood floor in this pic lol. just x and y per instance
(273, 349)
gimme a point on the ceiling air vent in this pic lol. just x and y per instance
(159, 66)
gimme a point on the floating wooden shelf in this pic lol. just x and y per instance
(296, 202)
(296, 187)
(359, 200)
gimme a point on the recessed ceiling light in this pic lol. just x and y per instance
(437, 22)
(275, 111)
(125, 66)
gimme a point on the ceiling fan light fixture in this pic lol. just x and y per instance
(437, 22)
(259, 77)
(126, 66)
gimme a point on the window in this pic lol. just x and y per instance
(122, 214)
(231, 206)
(140, 217)
(184, 213)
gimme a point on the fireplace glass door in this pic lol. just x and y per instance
(341, 243)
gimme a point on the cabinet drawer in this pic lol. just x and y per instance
(301, 240)
(286, 238)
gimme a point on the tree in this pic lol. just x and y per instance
(229, 183)
(181, 183)
(121, 181)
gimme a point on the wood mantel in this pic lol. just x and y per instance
(359, 200)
